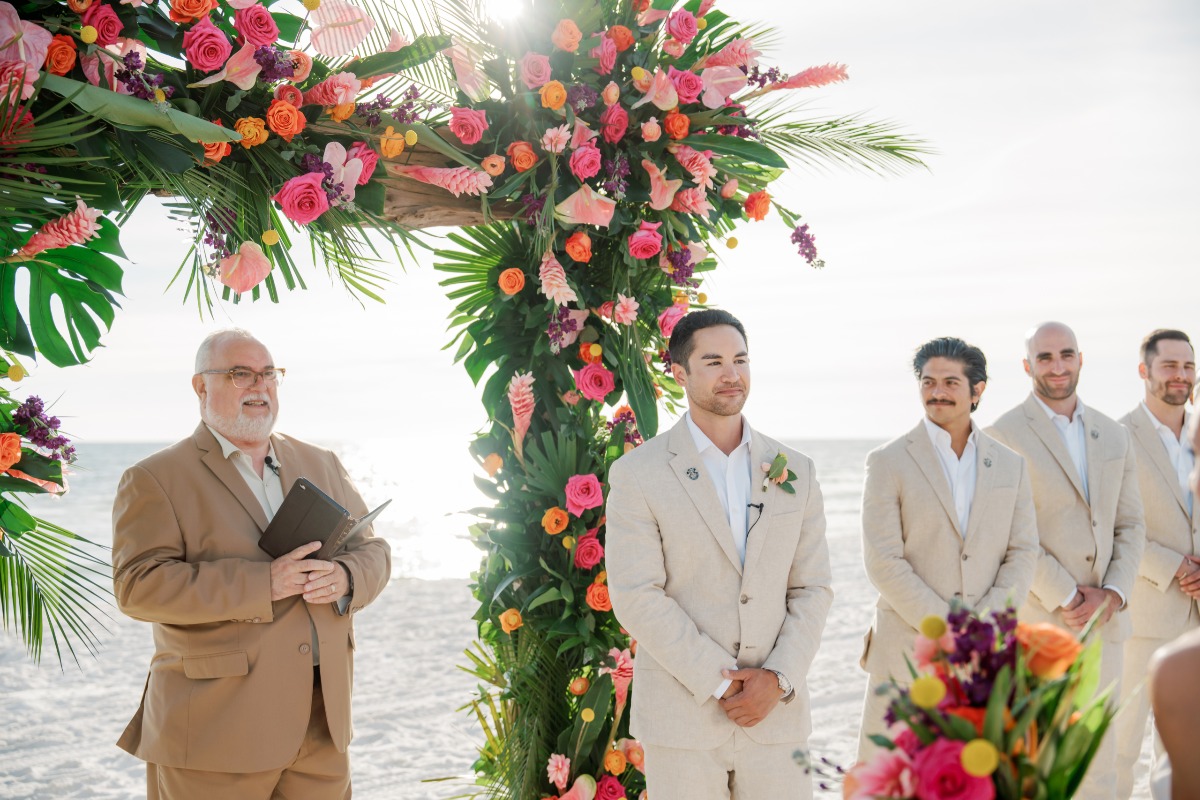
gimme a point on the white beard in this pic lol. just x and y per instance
(240, 428)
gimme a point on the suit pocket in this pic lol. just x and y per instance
(216, 665)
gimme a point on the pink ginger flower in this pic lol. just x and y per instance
(622, 674)
(555, 140)
(338, 27)
(558, 770)
(888, 774)
(697, 163)
(77, 227)
(520, 398)
(456, 180)
(738, 53)
(626, 310)
(691, 201)
(335, 90)
(554, 281)
(812, 78)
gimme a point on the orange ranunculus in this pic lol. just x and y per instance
(289, 94)
(60, 56)
(302, 64)
(677, 125)
(579, 246)
(757, 205)
(191, 10)
(493, 464)
(553, 95)
(493, 165)
(391, 144)
(253, 131)
(622, 37)
(579, 686)
(10, 450)
(79, 6)
(285, 119)
(1049, 649)
(512, 280)
(567, 36)
(510, 620)
(614, 762)
(555, 521)
(341, 112)
(588, 355)
(521, 155)
(597, 597)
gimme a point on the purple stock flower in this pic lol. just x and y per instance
(807, 244)
(276, 66)
(42, 431)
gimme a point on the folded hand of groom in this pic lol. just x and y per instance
(759, 695)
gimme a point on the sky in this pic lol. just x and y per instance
(1064, 186)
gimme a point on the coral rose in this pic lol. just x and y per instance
(554, 521)
(588, 552)
(60, 55)
(512, 280)
(1049, 650)
(206, 47)
(10, 450)
(553, 95)
(597, 598)
(253, 131)
(534, 70)
(615, 121)
(579, 247)
(285, 119)
(188, 10)
(108, 26)
(614, 762)
(493, 165)
(567, 36)
(594, 382)
(677, 125)
(757, 205)
(647, 241)
(669, 318)
(521, 155)
(302, 64)
(493, 464)
(622, 37)
(369, 158)
(256, 25)
(302, 198)
(585, 161)
(468, 124)
(583, 492)
(215, 151)
(510, 620)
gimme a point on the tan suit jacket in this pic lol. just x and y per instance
(231, 681)
(1158, 608)
(917, 557)
(679, 588)
(1096, 544)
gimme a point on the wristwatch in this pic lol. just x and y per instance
(785, 686)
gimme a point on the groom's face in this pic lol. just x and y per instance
(717, 377)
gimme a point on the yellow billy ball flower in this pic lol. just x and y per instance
(16, 372)
(701, 24)
(587, 715)
(160, 96)
(980, 758)
(312, 5)
(568, 542)
(731, 242)
(637, 73)
(596, 351)
(410, 138)
(702, 298)
(933, 627)
(270, 238)
(927, 691)
(88, 34)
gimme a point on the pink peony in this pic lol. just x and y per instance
(585, 207)
(588, 550)
(558, 771)
(554, 281)
(625, 311)
(555, 140)
(889, 773)
(256, 25)
(246, 268)
(583, 492)
(606, 54)
(468, 124)
(534, 70)
(106, 22)
(693, 200)
(651, 130)
(302, 199)
(646, 241)
(682, 25)
(585, 161)
(615, 121)
(339, 88)
(669, 318)
(206, 47)
(688, 85)
(369, 158)
(609, 788)
(520, 399)
(622, 674)
(595, 382)
(941, 776)
(77, 227)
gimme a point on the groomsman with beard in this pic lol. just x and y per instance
(1162, 606)
(1089, 513)
(947, 517)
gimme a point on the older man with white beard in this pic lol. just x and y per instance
(248, 694)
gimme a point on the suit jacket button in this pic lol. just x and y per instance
(958, 595)
(1088, 559)
(305, 649)
(737, 646)
(1093, 523)
(965, 556)
(745, 599)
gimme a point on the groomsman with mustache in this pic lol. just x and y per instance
(947, 517)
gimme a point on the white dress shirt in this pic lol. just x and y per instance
(960, 472)
(1179, 452)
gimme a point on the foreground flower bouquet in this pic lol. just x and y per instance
(1001, 709)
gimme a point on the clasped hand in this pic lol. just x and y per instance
(1088, 600)
(1190, 582)
(319, 581)
(751, 696)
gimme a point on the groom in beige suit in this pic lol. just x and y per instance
(722, 577)
(1160, 606)
(1089, 513)
(947, 516)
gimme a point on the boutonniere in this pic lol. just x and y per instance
(777, 472)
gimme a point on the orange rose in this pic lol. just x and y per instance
(567, 36)
(972, 715)
(757, 205)
(253, 131)
(622, 37)
(614, 762)
(285, 119)
(301, 66)
(587, 355)
(579, 247)
(10, 450)
(391, 144)
(579, 687)
(493, 165)
(1049, 649)
(555, 521)
(522, 156)
(60, 56)
(492, 464)
(79, 6)
(191, 10)
(510, 620)
(553, 94)
(512, 280)
(215, 151)
(341, 112)
(597, 597)
(677, 125)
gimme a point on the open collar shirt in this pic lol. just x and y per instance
(960, 473)
(1179, 453)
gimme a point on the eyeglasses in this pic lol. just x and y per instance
(244, 378)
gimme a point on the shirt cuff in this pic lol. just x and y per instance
(1070, 599)
(720, 690)
(1120, 594)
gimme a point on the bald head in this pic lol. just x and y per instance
(1048, 333)
(1053, 360)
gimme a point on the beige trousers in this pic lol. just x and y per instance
(1130, 726)
(874, 708)
(739, 769)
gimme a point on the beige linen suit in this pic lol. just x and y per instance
(1082, 544)
(1160, 611)
(680, 589)
(231, 681)
(919, 560)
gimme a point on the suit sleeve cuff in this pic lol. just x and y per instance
(1120, 594)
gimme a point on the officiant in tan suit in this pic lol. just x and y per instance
(1160, 607)
(248, 695)
(722, 576)
(947, 516)
(1089, 513)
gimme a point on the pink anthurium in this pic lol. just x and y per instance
(721, 83)
(346, 171)
(21, 40)
(241, 70)
(662, 92)
(246, 268)
(662, 189)
(339, 27)
(585, 207)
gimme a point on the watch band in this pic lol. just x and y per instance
(785, 686)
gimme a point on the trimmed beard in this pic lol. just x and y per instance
(240, 428)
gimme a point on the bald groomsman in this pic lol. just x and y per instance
(1161, 607)
(1089, 513)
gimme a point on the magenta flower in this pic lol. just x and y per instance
(941, 776)
(594, 382)
(468, 124)
(583, 492)
(646, 241)
(585, 161)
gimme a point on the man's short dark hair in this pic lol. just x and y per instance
(1150, 343)
(682, 338)
(971, 357)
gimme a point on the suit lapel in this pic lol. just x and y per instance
(756, 538)
(922, 452)
(286, 460)
(1144, 430)
(227, 474)
(1092, 444)
(698, 484)
(985, 478)
(1051, 438)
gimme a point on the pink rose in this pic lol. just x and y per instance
(609, 788)
(688, 85)
(611, 94)
(669, 318)
(904, 738)
(207, 49)
(606, 309)
(106, 22)
(615, 121)
(941, 776)
(651, 130)
(585, 161)
(534, 70)
(729, 189)
(647, 241)
(468, 124)
(588, 550)
(594, 382)
(606, 54)
(369, 158)
(302, 198)
(682, 25)
(256, 25)
(583, 492)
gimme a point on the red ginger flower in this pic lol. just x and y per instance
(520, 397)
(77, 227)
